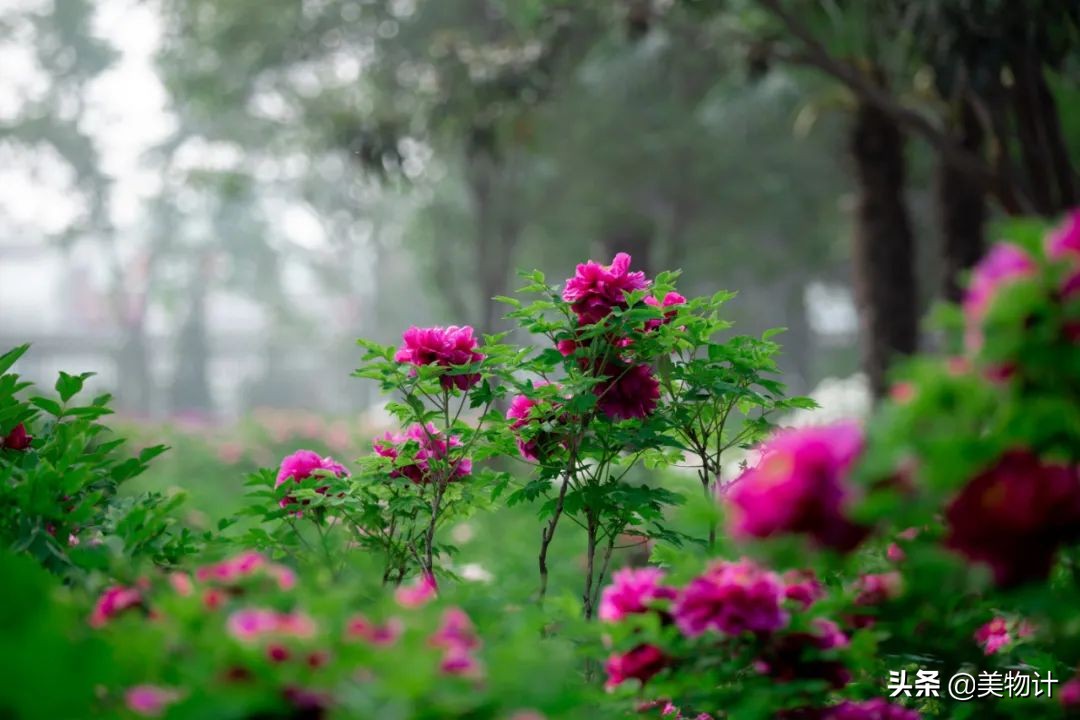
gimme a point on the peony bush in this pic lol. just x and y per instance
(684, 556)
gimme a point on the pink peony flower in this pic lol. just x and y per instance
(1069, 694)
(732, 598)
(430, 445)
(523, 412)
(640, 663)
(459, 662)
(631, 591)
(595, 290)
(113, 601)
(1003, 264)
(301, 465)
(802, 587)
(251, 624)
(993, 636)
(247, 564)
(670, 300)
(455, 631)
(1014, 515)
(181, 583)
(877, 588)
(795, 656)
(448, 347)
(149, 700)
(876, 709)
(799, 487)
(629, 392)
(17, 439)
(360, 628)
(417, 594)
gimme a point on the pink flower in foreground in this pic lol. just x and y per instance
(431, 458)
(876, 709)
(630, 392)
(522, 413)
(181, 583)
(244, 566)
(419, 593)
(640, 663)
(457, 639)
(448, 347)
(360, 628)
(17, 439)
(149, 700)
(113, 601)
(993, 636)
(732, 598)
(1069, 694)
(800, 487)
(595, 290)
(300, 466)
(877, 588)
(1003, 264)
(670, 300)
(802, 587)
(795, 656)
(631, 591)
(1014, 515)
(252, 623)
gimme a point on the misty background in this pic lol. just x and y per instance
(207, 202)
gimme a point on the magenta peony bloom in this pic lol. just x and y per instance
(670, 300)
(113, 601)
(359, 627)
(802, 587)
(449, 347)
(431, 445)
(1069, 694)
(732, 598)
(629, 392)
(149, 700)
(799, 487)
(245, 566)
(793, 656)
(251, 624)
(1003, 264)
(876, 709)
(595, 290)
(457, 639)
(631, 591)
(522, 412)
(1064, 244)
(301, 465)
(640, 663)
(1014, 515)
(417, 594)
(993, 636)
(17, 439)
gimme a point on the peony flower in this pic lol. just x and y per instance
(448, 347)
(1003, 264)
(113, 601)
(17, 439)
(876, 709)
(877, 588)
(595, 290)
(629, 392)
(301, 465)
(640, 663)
(1064, 243)
(181, 583)
(522, 413)
(359, 627)
(799, 487)
(431, 445)
(1014, 515)
(993, 636)
(457, 639)
(149, 700)
(631, 591)
(250, 624)
(244, 566)
(792, 656)
(1069, 694)
(417, 594)
(732, 598)
(802, 587)
(670, 300)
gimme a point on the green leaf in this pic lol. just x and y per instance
(50, 406)
(11, 356)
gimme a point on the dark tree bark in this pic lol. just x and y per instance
(961, 205)
(883, 253)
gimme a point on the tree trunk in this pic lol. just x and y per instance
(191, 386)
(961, 209)
(883, 253)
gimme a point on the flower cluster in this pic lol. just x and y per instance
(450, 347)
(112, 602)
(427, 452)
(633, 590)
(732, 598)
(458, 642)
(526, 415)
(251, 624)
(1015, 515)
(799, 486)
(595, 290)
